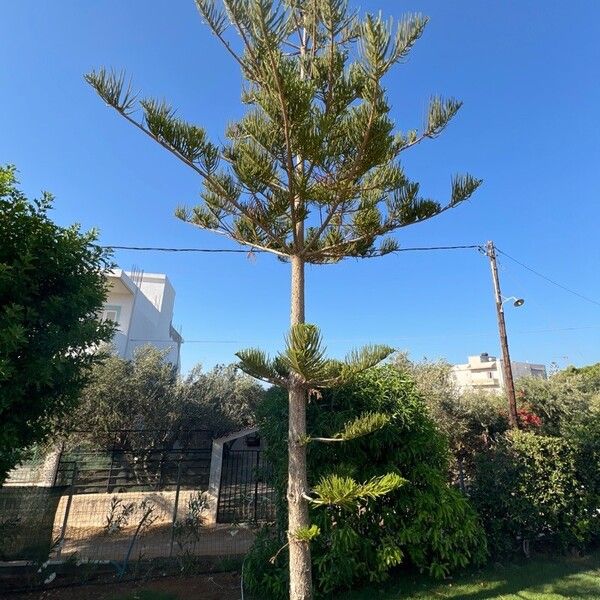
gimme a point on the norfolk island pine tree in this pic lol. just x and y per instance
(311, 173)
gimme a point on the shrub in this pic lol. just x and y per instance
(528, 491)
(425, 522)
(122, 395)
(470, 421)
(584, 439)
(558, 401)
(51, 290)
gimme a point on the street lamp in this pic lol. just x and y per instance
(509, 383)
(517, 301)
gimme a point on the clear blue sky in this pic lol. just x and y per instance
(530, 127)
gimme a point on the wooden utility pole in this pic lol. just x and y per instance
(509, 383)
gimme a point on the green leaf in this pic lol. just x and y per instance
(306, 534)
(345, 492)
(364, 424)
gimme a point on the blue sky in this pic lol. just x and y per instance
(530, 127)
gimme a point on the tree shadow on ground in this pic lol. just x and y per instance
(573, 578)
(570, 578)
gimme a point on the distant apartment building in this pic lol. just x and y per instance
(142, 306)
(484, 372)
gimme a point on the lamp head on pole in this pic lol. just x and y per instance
(516, 301)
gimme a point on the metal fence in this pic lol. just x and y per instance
(246, 494)
(141, 470)
(124, 506)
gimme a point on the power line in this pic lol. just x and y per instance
(408, 249)
(255, 251)
(397, 338)
(203, 250)
(560, 285)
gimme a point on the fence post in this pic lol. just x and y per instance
(256, 473)
(161, 467)
(58, 463)
(176, 505)
(63, 530)
(110, 470)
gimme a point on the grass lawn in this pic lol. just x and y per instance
(539, 579)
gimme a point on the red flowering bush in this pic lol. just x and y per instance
(528, 419)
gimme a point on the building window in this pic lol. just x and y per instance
(111, 312)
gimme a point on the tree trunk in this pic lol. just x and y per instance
(300, 566)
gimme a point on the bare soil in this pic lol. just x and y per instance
(215, 586)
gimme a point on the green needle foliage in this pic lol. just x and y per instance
(304, 363)
(345, 492)
(311, 172)
(316, 146)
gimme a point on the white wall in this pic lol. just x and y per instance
(484, 372)
(146, 302)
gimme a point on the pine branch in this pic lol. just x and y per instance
(346, 493)
(366, 357)
(181, 139)
(362, 425)
(257, 364)
(304, 353)
(111, 87)
(440, 112)
(217, 22)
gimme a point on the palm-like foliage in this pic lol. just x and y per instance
(316, 146)
(310, 173)
(345, 492)
(303, 362)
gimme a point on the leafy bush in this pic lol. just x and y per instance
(529, 491)
(145, 394)
(470, 421)
(51, 289)
(558, 401)
(584, 438)
(425, 522)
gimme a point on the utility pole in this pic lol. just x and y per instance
(509, 383)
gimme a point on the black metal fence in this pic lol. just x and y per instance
(123, 505)
(135, 470)
(246, 492)
(120, 527)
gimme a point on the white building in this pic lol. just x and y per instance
(484, 372)
(142, 306)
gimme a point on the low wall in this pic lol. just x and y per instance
(92, 510)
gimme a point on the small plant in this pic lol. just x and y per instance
(187, 530)
(9, 532)
(118, 515)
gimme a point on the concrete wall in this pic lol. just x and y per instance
(484, 373)
(145, 303)
(35, 474)
(90, 511)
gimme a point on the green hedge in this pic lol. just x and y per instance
(425, 523)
